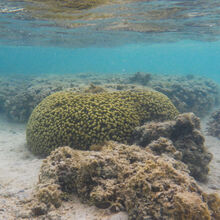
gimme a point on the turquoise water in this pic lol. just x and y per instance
(166, 37)
(200, 58)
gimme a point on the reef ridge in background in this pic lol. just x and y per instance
(213, 127)
(19, 96)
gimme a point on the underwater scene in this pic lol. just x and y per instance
(109, 110)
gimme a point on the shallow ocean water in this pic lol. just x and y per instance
(190, 57)
(42, 39)
(121, 36)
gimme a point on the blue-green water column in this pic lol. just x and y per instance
(201, 58)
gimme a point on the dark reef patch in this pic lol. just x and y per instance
(189, 93)
(140, 78)
(213, 128)
(184, 133)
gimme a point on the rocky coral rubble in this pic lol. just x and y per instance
(19, 107)
(122, 177)
(188, 93)
(9, 87)
(22, 97)
(19, 96)
(213, 126)
(140, 78)
(184, 133)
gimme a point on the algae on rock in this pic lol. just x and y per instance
(129, 178)
(185, 135)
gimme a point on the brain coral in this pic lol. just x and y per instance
(80, 120)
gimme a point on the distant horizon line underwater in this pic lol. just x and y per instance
(181, 57)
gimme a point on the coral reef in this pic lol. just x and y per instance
(9, 87)
(80, 120)
(184, 133)
(140, 78)
(94, 89)
(189, 93)
(19, 107)
(213, 127)
(123, 178)
(19, 96)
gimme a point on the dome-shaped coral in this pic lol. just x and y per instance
(80, 120)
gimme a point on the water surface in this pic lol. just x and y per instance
(157, 36)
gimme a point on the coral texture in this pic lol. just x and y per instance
(214, 124)
(185, 134)
(19, 107)
(80, 120)
(140, 78)
(122, 177)
(9, 87)
(18, 97)
(189, 93)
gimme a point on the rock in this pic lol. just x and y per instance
(185, 135)
(124, 178)
(213, 126)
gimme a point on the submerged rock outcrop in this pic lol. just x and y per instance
(121, 177)
(184, 134)
(189, 93)
(213, 127)
(140, 78)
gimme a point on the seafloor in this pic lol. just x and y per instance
(19, 168)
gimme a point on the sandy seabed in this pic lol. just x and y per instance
(19, 174)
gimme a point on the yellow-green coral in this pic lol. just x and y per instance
(80, 120)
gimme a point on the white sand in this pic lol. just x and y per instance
(19, 173)
(18, 177)
(213, 145)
